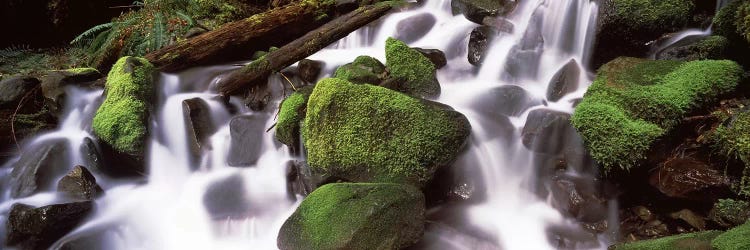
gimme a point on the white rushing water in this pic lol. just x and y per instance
(175, 208)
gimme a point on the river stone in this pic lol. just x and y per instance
(436, 56)
(13, 89)
(55, 82)
(197, 115)
(309, 70)
(366, 133)
(541, 126)
(39, 166)
(477, 10)
(564, 81)
(227, 198)
(689, 178)
(415, 27)
(79, 183)
(298, 179)
(356, 216)
(246, 133)
(38, 228)
(506, 100)
(479, 41)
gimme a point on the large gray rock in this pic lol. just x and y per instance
(227, 198)
(198, 125)
(479, 41)
(55, 82)
(246, 134)
(413, 28)
(38, 228)
(564, 81)
(39, 166)
(13, 89)
(79, 183)
(507, 100)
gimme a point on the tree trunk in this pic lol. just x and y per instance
(238, 40)
(258, 71)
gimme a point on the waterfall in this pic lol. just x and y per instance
(175, 207)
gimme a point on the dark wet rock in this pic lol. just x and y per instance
(689, 178)
(479, 41)
(356, 216)
(477, 10)
(55, 82)
(91, 155)
(413, 28)
(579, 198)
(499, 24)
(79, 183)
(543, 124)
(436, 56)
(38, 228)
(712, 47)
(39, 166)
(692, 219)
(308, 70)
(653, 229)
(643, 213)
(507, 100)
(13, 89)
(227, 198)
(257, 97)
(197, 115)
(246, 134)
(298, 179)
(564, 81)
(116, 163)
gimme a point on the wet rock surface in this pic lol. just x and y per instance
(13, 89)
(479, 41)
(246, 134)
(227, 198)
(507, 100)
(79, 183)
(690, 178)
(309, 70)
(542, 124)
(564, 81)
(38, 166)
(198, 125)
(436, 56)
(299, 180)
(477, 10)
(54, 84)
(413, 28)
(38, 228)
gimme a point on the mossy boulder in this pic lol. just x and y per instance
(737, 238)
(364, 70)
(733, 21)
(414, 71)
(626, 26)
(122, 119)
(732, 139)
(689, 241)
(291, 115)
(477, 10)
(366, 133)
(356, 216)
(729, 213)
(634, 101)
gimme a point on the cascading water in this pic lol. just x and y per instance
(208, 204)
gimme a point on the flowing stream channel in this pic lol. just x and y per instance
(512, 169)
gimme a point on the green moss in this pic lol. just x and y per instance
(712, 47)
(690, 241)
(743, 20)
(733, 22)
(737, 238)
(356, 216)
(364, 70)
(368, 133)
(654, 14)
(122, 119)
(728, 212)
(82, 71)
(411, 66)
(634, 101)
(732, 139)
(291, 114)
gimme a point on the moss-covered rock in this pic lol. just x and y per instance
(729, 213)
(690, 241)
(625, 26)
(122, 119)
(732, 139)
(737, 238)
(733, 21)
(364, 70)
(415, 70)
(291, 115)
(634, 101)
(366, 133)
(356, 216)
(477, 10)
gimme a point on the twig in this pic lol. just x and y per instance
(289, 81)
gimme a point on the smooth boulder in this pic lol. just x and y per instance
(38, 228)
(80, 184)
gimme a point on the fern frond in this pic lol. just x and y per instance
(92, 31)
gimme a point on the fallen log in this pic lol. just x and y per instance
(238, 40)
(258, 71)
